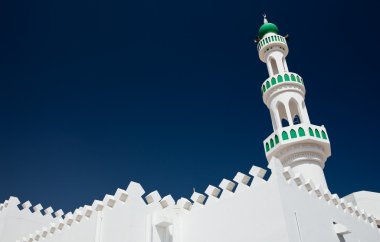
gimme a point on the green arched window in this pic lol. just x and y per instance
(317, 133)
(324, 136)
(285, 135)
(271, 143)
(287, 77)
(267, 147)
(264, 88)
(268, 84)
(279, 78)
(276, 139)
(301, 132)
(298, 79)
(311, 133)
(293, 77)
(272, 38)
(293, 134)
(273, 81)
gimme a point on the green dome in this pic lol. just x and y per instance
(267, 28)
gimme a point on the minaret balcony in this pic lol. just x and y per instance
(297, 134)
(282, 82)
(274, 38)
(272, 42)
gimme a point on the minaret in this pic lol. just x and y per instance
(295, 141)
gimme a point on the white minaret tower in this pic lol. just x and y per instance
(295, 141)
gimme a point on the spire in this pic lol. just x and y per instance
(265, 18)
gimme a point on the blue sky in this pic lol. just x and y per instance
(94, 94)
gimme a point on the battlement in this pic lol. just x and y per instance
(227, 189)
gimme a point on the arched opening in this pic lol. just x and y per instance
(276, 139)
(324, 136)
(293, 134)
(273, 81)
(274, 66)
(267, 84)
(311, 132)
(279, 78)
(284, 135)
(293, 77)
(282, 114)
(301, 132)
(266, 147)
(287, 77)
(294, 111)
(271, 143)
(317, 133)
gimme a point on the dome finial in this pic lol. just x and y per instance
(265, 18)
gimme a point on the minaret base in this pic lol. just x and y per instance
(306, 159)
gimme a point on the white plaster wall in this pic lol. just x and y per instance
(309, 218)
(15, 223)
(251, 215)
(84, 231)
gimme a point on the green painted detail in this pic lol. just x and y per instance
(317, 133)
(324, 136)
(286, 76)
(293, 134)
(267, 28)
(284, 135)
(273, 81)
(293, 77)
(274, 141)
(301, 132)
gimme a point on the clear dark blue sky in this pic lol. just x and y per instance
(94, 94)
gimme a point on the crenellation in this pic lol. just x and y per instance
(167, 201)
(257, 172)
(48, 211)
(318, 191)
(59, 213)
(109, 201)
(135, 189)
(45, 232)
(121, 195)
(97, 205)
(37, 208)
(288, 173)
(88, 211)
(309, 185)
(26, 205)
(198, 198)
(298, 179)
(78, 215)
(69, 219)
(184, 203)
(335, 199)
(242, 180)
(326, 195)
(227, 186)
(153, 197)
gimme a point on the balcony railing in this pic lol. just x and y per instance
(280, 78)
(274, 38)
(295, 133)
